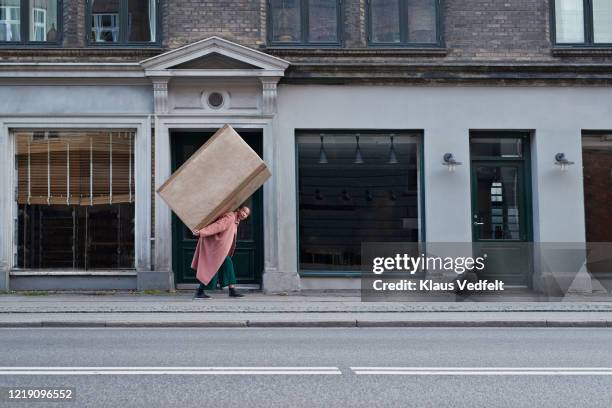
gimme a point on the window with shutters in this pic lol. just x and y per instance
(75, 197)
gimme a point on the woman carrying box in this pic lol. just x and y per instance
(212, 257)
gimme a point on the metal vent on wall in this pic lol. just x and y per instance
(215, 100)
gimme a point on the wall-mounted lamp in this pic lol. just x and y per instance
(449, 160)
(358, 155)
(392, 155)
(322, 152)
(561, 160)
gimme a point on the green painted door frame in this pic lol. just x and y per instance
(508, 258)
(248, 257)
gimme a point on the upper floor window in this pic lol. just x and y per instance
(583, 22)
(304, 22)
(123, 21)
(404, 22)
(39, 24)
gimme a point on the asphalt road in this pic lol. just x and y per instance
(390, 367)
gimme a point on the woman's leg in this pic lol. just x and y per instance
(227, 277)
(200, 294)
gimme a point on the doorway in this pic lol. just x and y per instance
(501, 205)
(248, 257)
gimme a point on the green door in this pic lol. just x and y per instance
(501, 206)
(248, 257)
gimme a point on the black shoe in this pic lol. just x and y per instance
(201, 295)
(233, 293)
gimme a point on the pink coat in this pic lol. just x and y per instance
(217, 241)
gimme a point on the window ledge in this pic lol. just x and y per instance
(329, 274)
(358, 52)
(39, 272)
(63, 52)
(582, 51)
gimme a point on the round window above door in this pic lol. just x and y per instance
(215, 99)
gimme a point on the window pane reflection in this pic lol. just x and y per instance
(602, 21)
(10, 20)
(105, 20)
(496, 147)
(421, 21)
(141, 20)
(569, 16)
(76, 198)
(43, 20)
(498, 202)
(286, 20)
(385, 21)
(322, 21)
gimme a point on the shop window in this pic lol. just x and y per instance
(583, 22)
(123, 21)
(75, 199)
(404, 22)
(41, 26)
(304, 22)
(354, 188)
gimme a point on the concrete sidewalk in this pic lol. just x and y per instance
(312, 310)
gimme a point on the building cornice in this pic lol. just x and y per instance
(542, 73)
(450, 73)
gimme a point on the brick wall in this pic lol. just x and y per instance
(74, 23)
(241, 21)
(474, 30)
(497, 29)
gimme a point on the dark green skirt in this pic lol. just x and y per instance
(224, 276)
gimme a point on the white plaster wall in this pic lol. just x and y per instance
(77, 106)
(76, 99)
(557, 115)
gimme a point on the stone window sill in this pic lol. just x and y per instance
(582, 51)
(357, 52)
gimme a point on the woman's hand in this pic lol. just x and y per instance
(195, 233)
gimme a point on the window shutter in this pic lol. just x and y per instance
(75, 168)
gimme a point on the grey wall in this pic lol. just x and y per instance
(446, 114)
(79, 99)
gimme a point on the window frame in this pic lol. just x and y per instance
(404, 43)
(101, 130)
(418, 134)
(304, 20)
(123, 28)
(26, 25)
(589, 33)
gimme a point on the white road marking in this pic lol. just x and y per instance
(482, 370)
(169, 371)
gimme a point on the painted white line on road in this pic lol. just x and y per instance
(552, 371)
(127, 368)
(165, 372)
(169, 371)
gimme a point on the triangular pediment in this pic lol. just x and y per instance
(214, 61)
(215, 54)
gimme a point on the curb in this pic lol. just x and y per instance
(310, 323)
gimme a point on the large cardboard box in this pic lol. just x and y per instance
(216, 179)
